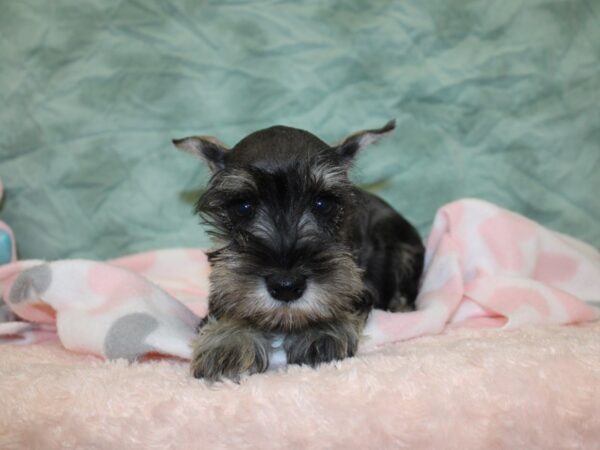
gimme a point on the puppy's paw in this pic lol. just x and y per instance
(225, 351)
(228, 361)
(322, 345)
(325, 349)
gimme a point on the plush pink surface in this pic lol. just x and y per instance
(468, 388)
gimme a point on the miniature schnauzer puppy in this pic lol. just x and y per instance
(303, 254)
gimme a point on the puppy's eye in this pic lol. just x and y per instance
(242, 209)
(324, 205)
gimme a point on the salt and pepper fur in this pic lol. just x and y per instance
(355, 254)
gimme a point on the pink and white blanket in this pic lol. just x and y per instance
(484, 267)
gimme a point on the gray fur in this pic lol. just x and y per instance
(329, 341)
(302, 253)
(228, 349)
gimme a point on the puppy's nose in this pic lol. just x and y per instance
(286, 288)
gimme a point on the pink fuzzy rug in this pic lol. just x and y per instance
(536, 387)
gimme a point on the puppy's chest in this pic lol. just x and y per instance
(277, 355)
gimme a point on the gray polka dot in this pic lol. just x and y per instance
(30, 284)
(6, 315)
(125, 339)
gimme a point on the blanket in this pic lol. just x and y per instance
(484, 266)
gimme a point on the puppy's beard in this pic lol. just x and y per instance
(312, 303)
(318, 303)
(239, 292)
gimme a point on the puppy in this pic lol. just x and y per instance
(302, 256)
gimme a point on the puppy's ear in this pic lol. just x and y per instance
(348, 148)
(207, 148)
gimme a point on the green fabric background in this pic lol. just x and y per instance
(494, 99)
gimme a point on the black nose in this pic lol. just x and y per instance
(286, 288)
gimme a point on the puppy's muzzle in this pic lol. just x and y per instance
(286, 287)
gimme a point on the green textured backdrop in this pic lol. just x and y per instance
(494, 99)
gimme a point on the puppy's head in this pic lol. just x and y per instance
(281, 206)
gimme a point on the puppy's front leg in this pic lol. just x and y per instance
(325, 342)
(228, 349)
